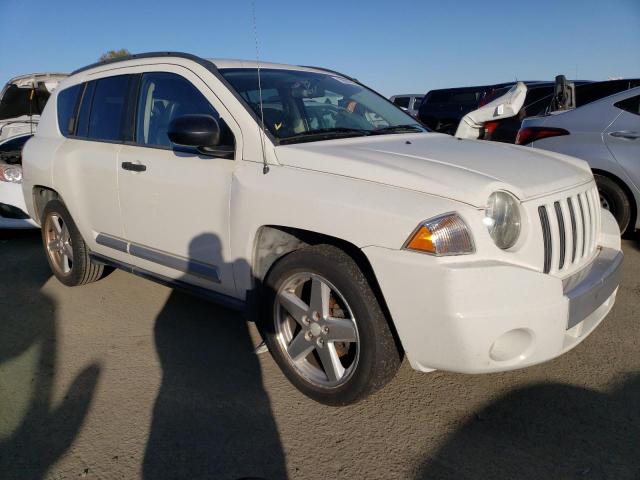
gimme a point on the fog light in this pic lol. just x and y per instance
(513, 345)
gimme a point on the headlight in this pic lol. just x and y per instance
(11, 173)
(443, 235)
(502, 218)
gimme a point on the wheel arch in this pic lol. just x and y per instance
(41, 196)
(633, 200)
(272, 242)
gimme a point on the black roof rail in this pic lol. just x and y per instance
(134, 56)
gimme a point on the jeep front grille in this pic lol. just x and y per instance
(570, 229)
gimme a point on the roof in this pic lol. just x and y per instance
(216, 63)
(236, 63)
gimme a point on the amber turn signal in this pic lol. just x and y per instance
(422, 240)
(443, 235)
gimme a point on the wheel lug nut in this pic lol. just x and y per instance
(305, 320)
(320, 342)
(325, 329)
(309, 335)
(316, 316)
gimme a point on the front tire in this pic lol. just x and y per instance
(325, 328)
(614, 199)
(66, 252)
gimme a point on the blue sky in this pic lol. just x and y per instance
(395, 47)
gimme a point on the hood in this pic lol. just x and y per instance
(464, 170)
(22, 100)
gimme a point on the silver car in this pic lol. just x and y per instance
(605, 133)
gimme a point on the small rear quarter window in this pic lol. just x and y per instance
(631, 105)
(67, 103)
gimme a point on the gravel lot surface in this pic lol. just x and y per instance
(128, 379)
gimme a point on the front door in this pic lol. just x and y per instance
(175, 201)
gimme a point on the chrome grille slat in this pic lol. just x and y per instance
(574, 230)
(546, 237)
(562, 234)
(584, 228)
(592, 215)
(587, 213)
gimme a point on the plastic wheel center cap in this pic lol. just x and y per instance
(315, 329)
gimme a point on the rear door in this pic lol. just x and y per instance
(88, 174)
(622, 137)
(175, 201)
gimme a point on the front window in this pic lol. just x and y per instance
(301, 106)
(165, 96)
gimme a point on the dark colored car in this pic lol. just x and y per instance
(538, 100)
(441, 110)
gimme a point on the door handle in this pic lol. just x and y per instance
(134, 167)
(625, 134)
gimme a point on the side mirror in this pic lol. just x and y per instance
(201, 132)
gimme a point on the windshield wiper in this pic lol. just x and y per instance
(325, 134)
(413, 127)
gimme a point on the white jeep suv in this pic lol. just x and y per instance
(349, 232)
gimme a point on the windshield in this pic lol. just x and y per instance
(303, 106)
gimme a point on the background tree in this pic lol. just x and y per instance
(123, 52)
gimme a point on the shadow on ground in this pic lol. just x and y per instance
(635, 238)
(548, 431)
(34, 433)
(212, 417)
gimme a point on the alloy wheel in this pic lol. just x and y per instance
(58, 243)
(316, 329)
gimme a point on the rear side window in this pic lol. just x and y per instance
(107, 118)
(631, 105)
(416, 102)
(465, 98)
(67, 101)
(441, 96)
(454, 97)
(82, 123)
(401, 102)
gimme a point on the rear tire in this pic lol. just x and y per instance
(66, 252)
(614, 198)
(336, 347)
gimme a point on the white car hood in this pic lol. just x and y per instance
(432, 163)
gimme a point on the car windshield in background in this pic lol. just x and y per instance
(302, 106)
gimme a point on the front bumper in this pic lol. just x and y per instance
(12, 207)
(488, 316)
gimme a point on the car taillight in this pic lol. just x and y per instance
(488, 129)
(531, 134)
